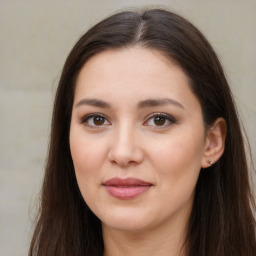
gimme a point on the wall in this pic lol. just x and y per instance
(36, 37)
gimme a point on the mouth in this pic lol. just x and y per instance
(128, 188)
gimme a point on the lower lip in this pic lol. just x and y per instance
(128, 192)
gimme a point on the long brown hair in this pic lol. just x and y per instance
(221, 221)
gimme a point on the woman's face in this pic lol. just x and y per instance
(137, 139)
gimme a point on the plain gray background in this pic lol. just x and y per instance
(36, 37)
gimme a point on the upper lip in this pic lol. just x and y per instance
(126, 182)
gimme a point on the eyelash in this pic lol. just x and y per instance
(86, 119)
(166, 117)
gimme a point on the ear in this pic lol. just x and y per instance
(215, 143)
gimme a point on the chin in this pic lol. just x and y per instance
(127, 226)
(128, 220)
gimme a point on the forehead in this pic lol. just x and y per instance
(134, 73)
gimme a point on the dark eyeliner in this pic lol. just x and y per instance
(85, 118)
(167, 116)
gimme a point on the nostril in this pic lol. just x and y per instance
(125, 158)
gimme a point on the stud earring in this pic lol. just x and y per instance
(209, 162)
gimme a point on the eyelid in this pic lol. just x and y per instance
(168, 117)
(85, 118)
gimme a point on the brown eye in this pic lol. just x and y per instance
(95, 120)
(98, 120)
(159, 120)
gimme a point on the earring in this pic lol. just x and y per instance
(209, 162)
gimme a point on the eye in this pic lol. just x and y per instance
(95, 120)
(160, 120)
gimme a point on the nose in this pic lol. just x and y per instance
(125, 149)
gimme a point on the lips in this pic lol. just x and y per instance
(126, 188)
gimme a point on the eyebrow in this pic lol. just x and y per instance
(159, 102)
(93, 102)
(141, 104)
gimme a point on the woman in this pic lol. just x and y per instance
(146, 154)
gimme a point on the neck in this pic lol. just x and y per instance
(161, 241)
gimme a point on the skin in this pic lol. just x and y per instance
(127, 141)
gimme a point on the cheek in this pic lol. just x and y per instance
(87, 152)
(178, 165)
(178, 159)
(87, 155)
(86, 159)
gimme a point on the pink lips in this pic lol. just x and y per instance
(126, 188)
